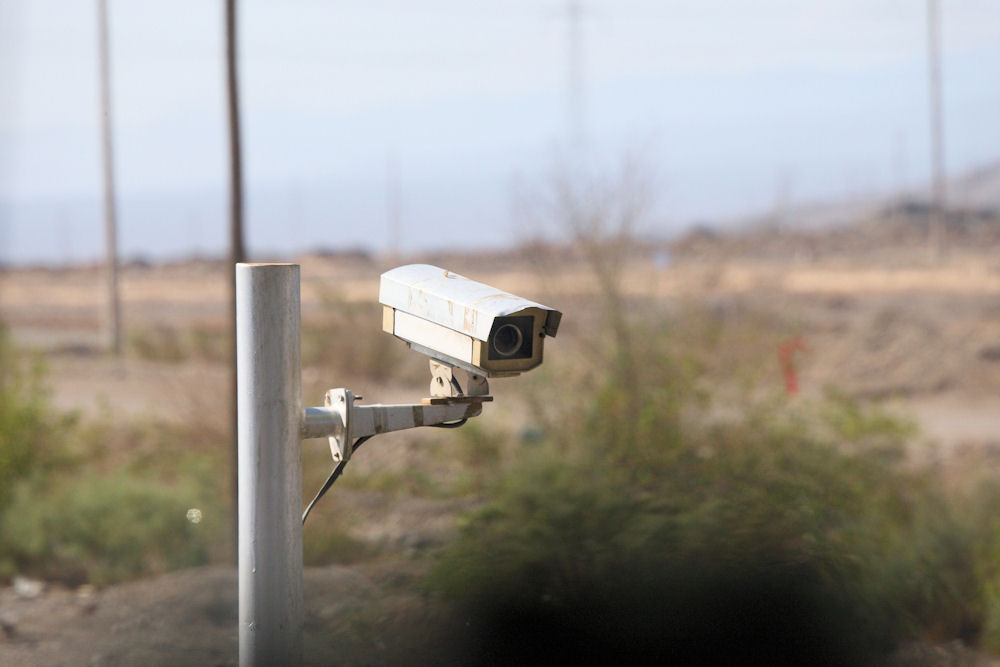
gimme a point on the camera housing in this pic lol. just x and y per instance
(464, 323)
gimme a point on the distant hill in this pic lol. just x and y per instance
(977, 190)
(980, 189)
(887, 226)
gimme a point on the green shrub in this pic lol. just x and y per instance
(327, 540)
(991, 602)
(30, 432)
(106, 529)
(75, 509)
(479, 451)
(133, 500)
(695, 523)
(170, 344)
(980, 503)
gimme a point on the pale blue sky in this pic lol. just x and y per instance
(727, 103)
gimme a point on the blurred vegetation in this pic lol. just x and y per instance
(88, 528)
(29, 430)
(75, 509)
(407, 482)
(346, 338)
(664, 495)
(173, 344)
(673, 504)
(341, 337)
(329, 540)
(653, 515)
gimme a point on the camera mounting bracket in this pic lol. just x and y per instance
(444, 384)
(343, 421)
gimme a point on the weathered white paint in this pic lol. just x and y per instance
(344, 421)
(434, 336)
(446, 298)
(270, 478)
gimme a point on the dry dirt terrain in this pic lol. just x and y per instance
(921, 337)
(354, 616)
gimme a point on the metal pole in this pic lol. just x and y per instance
(270, 476)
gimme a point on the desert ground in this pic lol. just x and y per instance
(924, 337)
(918, 335)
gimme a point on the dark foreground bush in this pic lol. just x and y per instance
(702, 614)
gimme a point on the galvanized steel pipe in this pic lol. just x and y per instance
(270, 478)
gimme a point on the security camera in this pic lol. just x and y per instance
(464, 323)
(458, 323)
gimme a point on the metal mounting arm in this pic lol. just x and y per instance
(343, 421)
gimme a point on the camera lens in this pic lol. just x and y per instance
(507, 340)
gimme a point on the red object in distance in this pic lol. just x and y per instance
(786, 357)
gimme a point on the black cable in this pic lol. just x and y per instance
(449, 424)
(331, 479)
(339, 469)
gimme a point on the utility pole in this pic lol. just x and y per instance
(575, 107)
(938, 229)
(113, 333)
(237, 251)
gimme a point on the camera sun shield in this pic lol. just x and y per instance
(463, 322)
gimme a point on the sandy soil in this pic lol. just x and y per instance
(353, 616)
